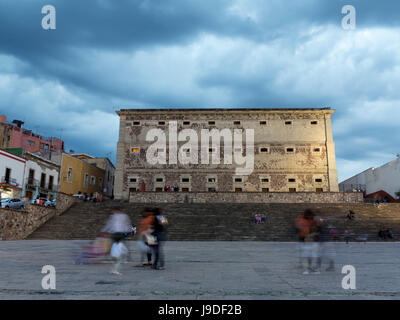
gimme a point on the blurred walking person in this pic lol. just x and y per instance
(145, 230)
(159, 228)
(118, 252)
(307, 232)
(327, 252)
(119, 224)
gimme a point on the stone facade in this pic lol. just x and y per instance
(247, 197)
(293, 151)
(17, 224)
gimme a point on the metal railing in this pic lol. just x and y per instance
(36, 183)
(10, 181)
(349, 187)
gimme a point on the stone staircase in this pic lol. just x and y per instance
(224, 222)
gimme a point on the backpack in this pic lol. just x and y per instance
(162, 220)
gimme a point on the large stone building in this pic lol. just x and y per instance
(293, 151)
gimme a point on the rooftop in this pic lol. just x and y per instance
(168, 109)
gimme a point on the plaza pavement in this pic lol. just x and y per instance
(200, 270)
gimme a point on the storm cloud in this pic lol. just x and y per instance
(105, 55)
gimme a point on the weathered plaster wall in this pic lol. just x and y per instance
(312, 160)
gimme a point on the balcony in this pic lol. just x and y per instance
(9, 181)
(33, 183)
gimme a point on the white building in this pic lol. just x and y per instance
(386, 178)
(11, 174)
(40, 178)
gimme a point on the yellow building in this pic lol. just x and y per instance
(78, 176)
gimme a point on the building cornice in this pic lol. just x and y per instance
(208, 111)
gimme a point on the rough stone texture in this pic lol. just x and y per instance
(304, 164)
(19, 224)
(200, 270)
(247, 197)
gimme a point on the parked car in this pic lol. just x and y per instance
(40, 201)
(50, 203)
(12, 203)
(80, 196)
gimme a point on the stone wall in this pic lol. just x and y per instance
(19, 224)
(246, 197)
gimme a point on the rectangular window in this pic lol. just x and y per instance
(158, 189)
(92, 180)
(238, 179)
(211, 150)
(135, 150)
(264, 180)
(7, 177)
(161, 123)
(236, 123)
(211, 123)
(159, 180)
(292, 189)
(185, 179)
(186, 123)
(292, 180)
(136, 123)
(51, 182)
(133, 180)
(288, 123)
(318, 180)
(265, 189)
(319, 190)
(30, 143)
(43, 180)
(317, 150)
(263, 123)
(264, 150)
(238, 190)
(212, 180)
(41, 145)
(31, 176)
(86, 181)
(314, 122)
(185, 189)
(212, 189)
(289, 150)
(69, 175)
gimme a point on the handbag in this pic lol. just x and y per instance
(151, 240)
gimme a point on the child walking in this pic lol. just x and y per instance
(118, 252)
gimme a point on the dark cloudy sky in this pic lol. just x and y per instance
(108, 54)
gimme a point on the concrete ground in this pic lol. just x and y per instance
(200, 270)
